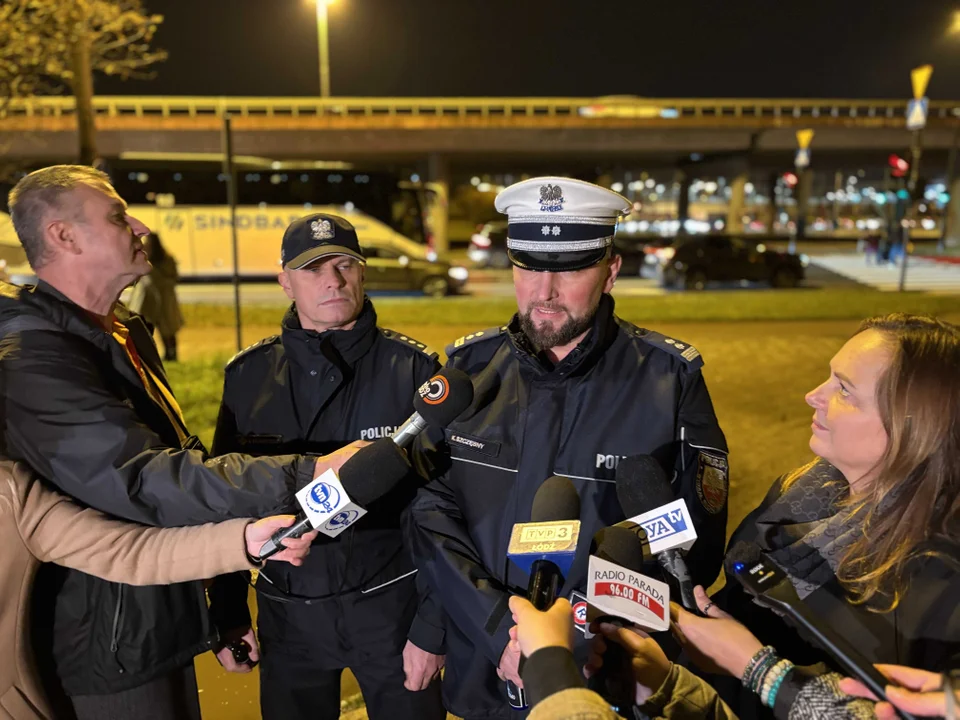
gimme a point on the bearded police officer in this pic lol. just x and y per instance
(331, 377)
(565, 388)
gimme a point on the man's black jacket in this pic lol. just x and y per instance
(75, 409)
(623, 391)
(309, 392)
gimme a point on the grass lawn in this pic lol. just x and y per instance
(721, 306)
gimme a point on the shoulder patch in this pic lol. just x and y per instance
(683, 350)
(251, 348)
(407, 340)
(475, 337)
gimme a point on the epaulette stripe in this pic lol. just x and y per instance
(249, 348)
(683, 350)
(486, 334)
(397, 337)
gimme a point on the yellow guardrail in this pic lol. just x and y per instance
(679, 109)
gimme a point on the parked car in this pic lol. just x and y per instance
(639, 253)
(693, 261)
(397, 263)
(488, 246)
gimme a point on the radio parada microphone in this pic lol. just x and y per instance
(333, 502)
(438, 402)
(544, 548)
(647, 500)
(771, 587)
(621, 548)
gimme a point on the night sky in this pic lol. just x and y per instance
(667, 48)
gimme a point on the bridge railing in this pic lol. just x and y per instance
(671, 109)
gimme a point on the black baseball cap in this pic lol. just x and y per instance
(315, 236)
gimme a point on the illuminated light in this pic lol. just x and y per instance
(304, 178)
(275, 179)
(660, 189)
(307, 206)
(177, 177)
(880, 198)
(954, 28)
(873, 224)
(262, 206)
(861, 224)
(761, 248)
(748, 188)
(718, 224)
(431, 256)
(696, 157)
(852, 180)
(484, 187)
(670, 114)
(790, 179)
(930, 194)
(710, 187)
(928, 224)
(738, 567)
(631, 226)
(831, 196)
(653, 197)
(944, 198)
(903, 194)
(142, 177)
(132, 176)
(221, 177)
(474, 181)
(650, 182)
(349, 206)
(414, 178)
(458, 273)
(275, 165)
(617, 187)
(643, 226)
(922, 207)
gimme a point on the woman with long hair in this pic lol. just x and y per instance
(869, 531)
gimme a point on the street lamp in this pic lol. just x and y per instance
(323, 46)
(954, 28)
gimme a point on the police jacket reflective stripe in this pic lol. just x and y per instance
(623, 391)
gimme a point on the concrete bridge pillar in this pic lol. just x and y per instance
(737, 203)
(683, 199)
(438, 177)
(804, 186)
(952, 236)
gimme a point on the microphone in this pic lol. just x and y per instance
(332, 503)
(545, 548)
(647, 500)
(771, 587)
(438, 402)
(614, 681)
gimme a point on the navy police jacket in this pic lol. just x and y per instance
(311, 393)
(623, 391)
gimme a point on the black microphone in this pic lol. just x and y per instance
(614, 681)
(438, 402)
(771, 587)
(545, 547)
(642, 487)
(369, 474)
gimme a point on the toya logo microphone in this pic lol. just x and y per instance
(665, 525)
(435, 390)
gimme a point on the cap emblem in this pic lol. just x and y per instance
(551, 198)
(321, 229)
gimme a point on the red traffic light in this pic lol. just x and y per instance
(790, 179)
(899, 166)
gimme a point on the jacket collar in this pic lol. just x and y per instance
(341, 347)
(581, 358)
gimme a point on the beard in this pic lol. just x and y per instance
(547, 336)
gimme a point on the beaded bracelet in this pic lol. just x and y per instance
(758, 658)
(761, 671)
(771, 688)
(768, 680)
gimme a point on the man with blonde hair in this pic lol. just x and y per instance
(87, 405)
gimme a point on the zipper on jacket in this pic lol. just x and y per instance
(115, 633)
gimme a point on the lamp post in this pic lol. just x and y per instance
(323, 46)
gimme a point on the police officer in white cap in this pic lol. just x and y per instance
(564, 388)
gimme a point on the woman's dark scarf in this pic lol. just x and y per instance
(806, 530)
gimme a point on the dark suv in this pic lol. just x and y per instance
(693, 261)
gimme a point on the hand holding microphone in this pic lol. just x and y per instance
(544, 548)
(336, 500)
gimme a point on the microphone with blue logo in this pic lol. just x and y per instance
(332, 502)
(544, 548)
(647, 500)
